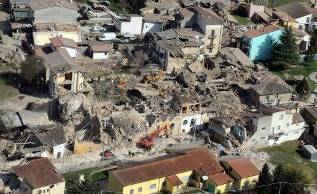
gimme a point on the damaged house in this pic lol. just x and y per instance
(271, 126)
(269, 90)
(207, 22)
(47, 141)
(54, 18)
(171, 48)
(62, 73)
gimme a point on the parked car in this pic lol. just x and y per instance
(107, 36)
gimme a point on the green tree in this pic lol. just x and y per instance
(265, 178)
(33, 70)
(279, 174)
(285, 51)
(299, 176)
(84, 187)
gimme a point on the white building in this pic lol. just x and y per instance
(100, 51)
(132, 24)
(299, 12)
(271, 126)
(152, 23)
(66, 43)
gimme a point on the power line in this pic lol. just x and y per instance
(277, 183)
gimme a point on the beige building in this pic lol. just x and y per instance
(54, 18)
(39, 176)
(62, 74)
(209, 23)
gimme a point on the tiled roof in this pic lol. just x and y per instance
(294, 9)
(262, 31)
(220, 178)
(100, 48)
(312, 110)
(174, 180)
(243, 167)
(38, 173)
(267, 86)
(169, 165)
(284, 16)
(297, 118)
(209, 16)
(63, 42)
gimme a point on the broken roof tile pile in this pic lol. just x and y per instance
(46, 27)
(38, 173)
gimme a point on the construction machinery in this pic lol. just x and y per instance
(153, 77)
(147, 142)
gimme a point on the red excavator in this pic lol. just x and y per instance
(147, 142)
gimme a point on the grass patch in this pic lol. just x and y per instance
(242, 20)
(287, 154)
(88, 174)
(6, 91)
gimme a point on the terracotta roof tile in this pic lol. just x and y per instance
(168, 165)
(174, 180)
(243, 167)
(38, 173)
(100, 48)
(63, 42)
(220, 178)
(262, 31)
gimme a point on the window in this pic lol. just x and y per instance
(185, 122)
(131, 191)
(281, 117)
(39, 192)
(193, 122)
(172, 126)
(262, 137)
(140, 189)
(263, 128)
(183, 131)
(301, 27)
(153, 186)
(287, 124)
(278, 127)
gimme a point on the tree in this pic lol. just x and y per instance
(265, 178)
(300, 176)
(285, 51)
(33, 70)
(312, 49)
(279, 174)
(83, 187)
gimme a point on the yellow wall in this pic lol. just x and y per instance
(291, 24)
(114, 185)
(41, 38)
(85, 147)
(249, 181)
